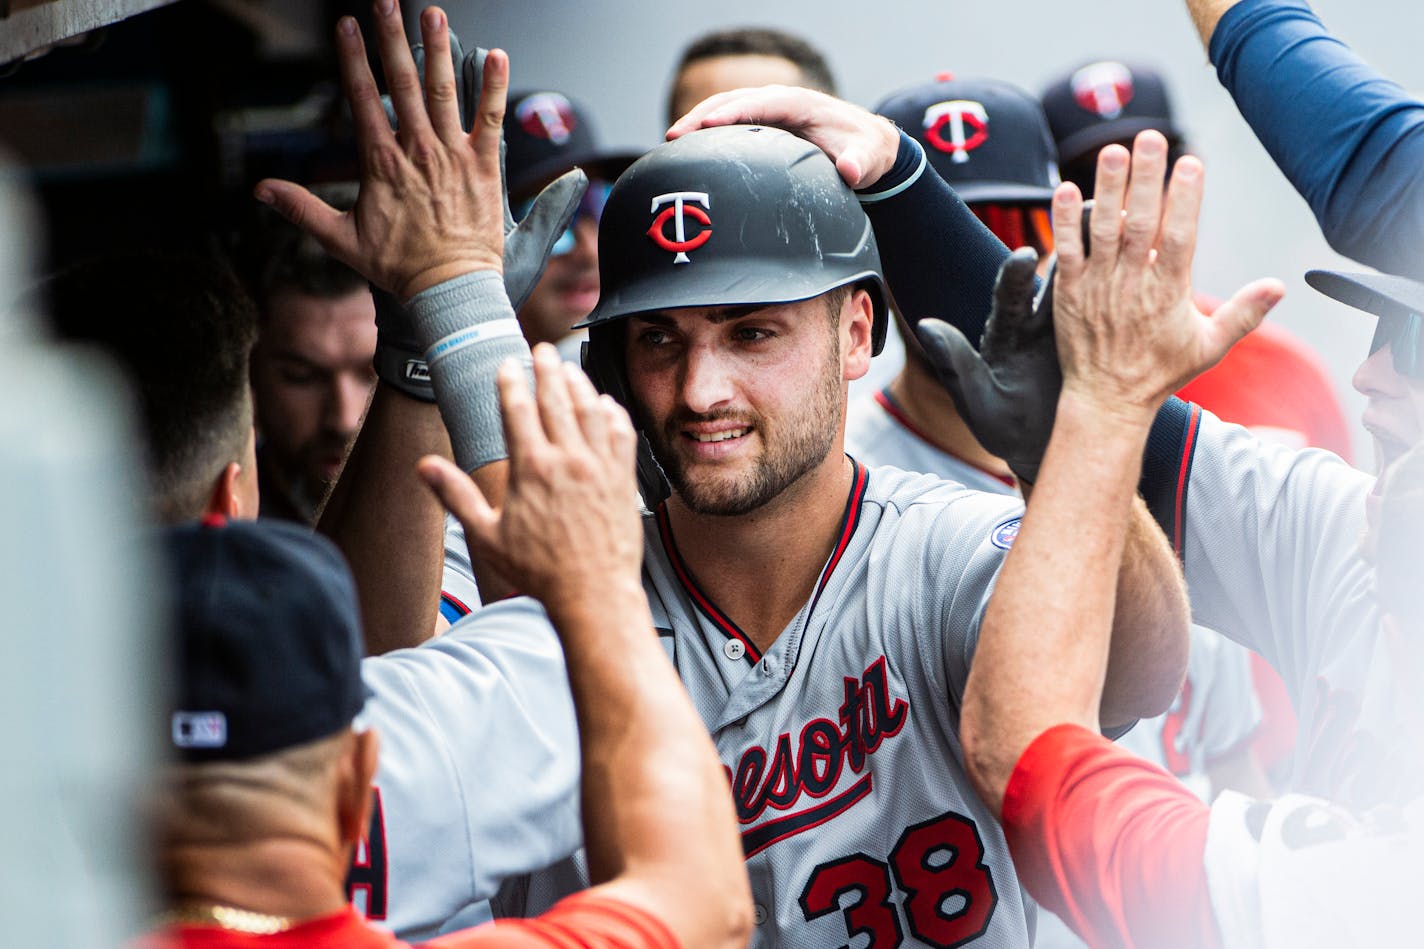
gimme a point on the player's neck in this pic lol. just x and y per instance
(929, 408)
(292, 879)
(760, 568)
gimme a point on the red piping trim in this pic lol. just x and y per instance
(1178, 529)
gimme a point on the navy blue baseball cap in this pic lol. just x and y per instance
(1104, 102)
(267, 639)
(545, 135)
(987, 138)
(1397, 301)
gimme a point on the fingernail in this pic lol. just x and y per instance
(433, 19)
(347, 26)
(385, 7)
(263, 194)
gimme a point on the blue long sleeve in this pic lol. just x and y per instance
(1349, 140)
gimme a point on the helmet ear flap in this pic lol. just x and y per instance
(603, 363)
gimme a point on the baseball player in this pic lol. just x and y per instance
(829, 685)
(1109, 842)
(821, 616)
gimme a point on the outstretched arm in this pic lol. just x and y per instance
(1291, 79)
(432, 232)
(658, 820)
(1078, 632)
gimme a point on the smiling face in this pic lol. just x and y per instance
(740, 404)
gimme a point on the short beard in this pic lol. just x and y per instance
(805, 443)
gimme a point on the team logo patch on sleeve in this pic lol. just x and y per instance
(1003, 535)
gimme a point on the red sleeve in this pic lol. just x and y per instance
(1109, 842)
(586, 920)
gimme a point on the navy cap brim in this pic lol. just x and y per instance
(605, 165)
(1100, 135)
(1380, 294)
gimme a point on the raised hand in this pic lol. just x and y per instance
(431, 204)
(1128, 333)
(861, 143)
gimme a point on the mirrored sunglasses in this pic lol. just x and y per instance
(1402, 334)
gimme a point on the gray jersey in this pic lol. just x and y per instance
(841, 742)
(479, 768)
(1273, 560)
(879, 433)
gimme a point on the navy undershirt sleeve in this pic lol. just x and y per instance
(940, 260)
(1349, 140)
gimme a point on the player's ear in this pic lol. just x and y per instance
(226, 497)
(353, 794)
(857, 323)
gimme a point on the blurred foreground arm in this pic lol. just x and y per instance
(658, 825)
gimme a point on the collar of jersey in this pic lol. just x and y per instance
(849, 520)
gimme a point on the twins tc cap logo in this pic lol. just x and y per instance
(678, 210)
(546, 115)
(965, 121)
(1104, 88)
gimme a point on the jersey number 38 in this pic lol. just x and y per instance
(947, 889)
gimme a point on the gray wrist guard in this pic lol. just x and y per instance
(468, 329)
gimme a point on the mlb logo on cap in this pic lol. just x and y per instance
(199, 729)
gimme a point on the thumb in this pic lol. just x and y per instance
(308, 212)
(458, 494)
(1013, 314)
(527, 247)
(958, 364)
(1240, 315)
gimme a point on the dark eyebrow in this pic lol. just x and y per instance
(724, 315)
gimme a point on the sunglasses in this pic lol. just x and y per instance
(590, 205)
(1402, 335)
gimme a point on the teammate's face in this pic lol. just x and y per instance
(1395, 413)
(740, 404)
(312, 379)
(707, 77)
(568, 290)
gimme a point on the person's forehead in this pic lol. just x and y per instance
(292, 314)
(705, 77)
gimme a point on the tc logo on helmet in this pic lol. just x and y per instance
(678, 212)
(546, 115)
(966, 122)
(1104, 88)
